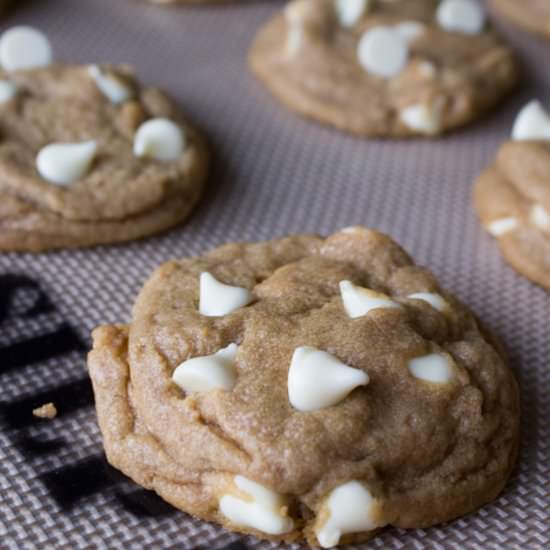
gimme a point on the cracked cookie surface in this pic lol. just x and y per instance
(325, 66)
(121, 196)
(412, 449)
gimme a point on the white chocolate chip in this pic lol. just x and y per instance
(427, 69)
(358, 301)
(159, 139)
(294, 40)
(317, 380)
(114, 89)
(351, 508)
(532, 123)
(8, 90)
(410, 30)
(207, 373)
(500, 227)
(24, 48)
(218, 299)
(66, 163)
(466, 16)
(383, 52)
(296, 11)
(540, 217)
(436, 368)
(353, 229)
(435, 300)
(264, 509)
(423, 118)
(294, 15)
(349, 12)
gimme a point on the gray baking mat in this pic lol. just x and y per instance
(274, 174)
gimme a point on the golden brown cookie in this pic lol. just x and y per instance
(512, 196)
(379, 68)
(531, 15)
(88, 155)
(307, 389)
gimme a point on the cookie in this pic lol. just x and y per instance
(396, 68)
(512, 196)
(306, 389)
(531, 15)
(88, 155)
(47, 411)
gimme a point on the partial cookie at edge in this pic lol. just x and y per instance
(531, 15)
(512, 197)
(121, 197)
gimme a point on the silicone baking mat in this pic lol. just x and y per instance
(273, 174)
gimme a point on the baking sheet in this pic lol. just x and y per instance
(273, 174)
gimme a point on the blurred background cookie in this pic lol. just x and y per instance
(389, 69)
(512, 196)
(88, 155)
(532, 15)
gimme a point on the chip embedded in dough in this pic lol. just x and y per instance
(512, 196)
(89, 155)
(397, 69)
(289, 419)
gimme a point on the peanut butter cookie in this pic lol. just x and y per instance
(307, 389)
(512, 196)
(385, 68)
(87, 154)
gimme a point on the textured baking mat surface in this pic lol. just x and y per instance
(274, 174)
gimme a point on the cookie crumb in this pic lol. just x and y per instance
(48, 411)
